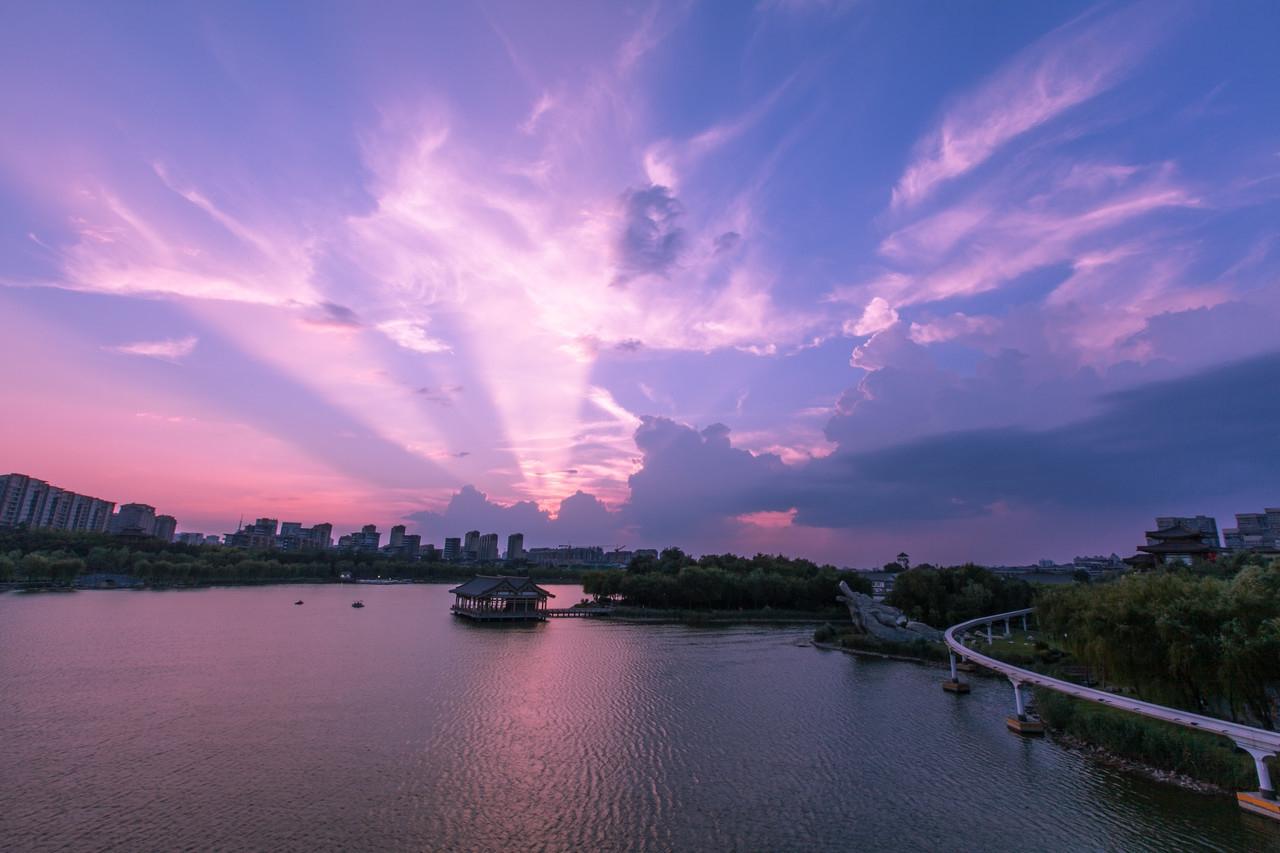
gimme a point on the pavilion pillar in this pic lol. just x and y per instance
(989, 638)
(1024, 623)
(1007, 632)
(1017, 700)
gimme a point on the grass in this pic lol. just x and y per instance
(1151, 742)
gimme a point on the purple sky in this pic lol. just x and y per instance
(991, 281)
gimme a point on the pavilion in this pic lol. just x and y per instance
(486, 598)
(1177, 544)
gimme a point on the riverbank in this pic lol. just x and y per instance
(833, 647)
(764, 616)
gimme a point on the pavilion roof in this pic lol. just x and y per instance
(1196, 547)
(500, 585)
(1178, 531)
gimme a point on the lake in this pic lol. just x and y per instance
(230, 719)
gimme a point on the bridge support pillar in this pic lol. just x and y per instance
(1262, 801)
(1021, 723)
(955, 685)
(989, 638)
(1024, 623)
(1007, 632)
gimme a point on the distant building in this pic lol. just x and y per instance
(515, 546)
(190, 538)
(471, 545)
(403, 545)
(164, 528)
(25, 500)
(1255, 531)
(487, 547)
(1206, 526)
(881, 582)
(430, 553)
(366, 541)
(452, 548)
(134, 520)
(567, 555)
(1098, 564)
(259, 536)
(294, 537)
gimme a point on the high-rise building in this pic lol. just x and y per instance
(322, 536)
(259, 536)
(134, 520)
(34, 503)
(397, 536)
(515, 546)
(487, 547)
(1255, 531)
(452, 548)
(164, 527)
(471, 545)
(365, 541)
(430, 553)
(1207, 527)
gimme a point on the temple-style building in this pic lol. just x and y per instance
(486, 598)
(1168, 545)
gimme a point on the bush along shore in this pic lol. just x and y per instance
(1159, 750)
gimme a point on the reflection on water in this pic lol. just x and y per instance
(231, 719)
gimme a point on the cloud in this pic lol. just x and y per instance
(878, 315)
(651, 240)
(172, 349)
(1157, 432)
(948, 328)
(335, 316)
(580, 518)
(413, 336)
(443, 394)
(1065, 68)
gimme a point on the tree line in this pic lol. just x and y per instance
(942, 597)
(57, 557)
(675, 580)
(1195, 639)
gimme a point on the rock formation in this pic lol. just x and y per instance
(882, 621)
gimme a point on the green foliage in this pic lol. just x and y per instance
(60, 557)
(721, 582)
(942, 597)
(1151, 742)
(1185, 638)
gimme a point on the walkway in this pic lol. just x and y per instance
(1259, 743)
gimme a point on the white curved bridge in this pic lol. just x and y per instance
(1259, 743)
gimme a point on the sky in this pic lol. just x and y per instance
(991, 281)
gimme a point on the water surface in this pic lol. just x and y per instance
(230, 719)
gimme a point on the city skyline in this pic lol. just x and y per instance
(733, 277)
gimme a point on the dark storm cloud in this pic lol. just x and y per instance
(581, 518)
(651, 239)
(333, 314)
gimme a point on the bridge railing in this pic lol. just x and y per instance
(1259, 743)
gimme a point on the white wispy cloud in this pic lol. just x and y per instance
(172, 349)
(1065, 68)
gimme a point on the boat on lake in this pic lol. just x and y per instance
(357, 604)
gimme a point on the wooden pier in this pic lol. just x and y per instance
(578, 612)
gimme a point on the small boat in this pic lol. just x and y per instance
(357, 604)
(299, 601)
